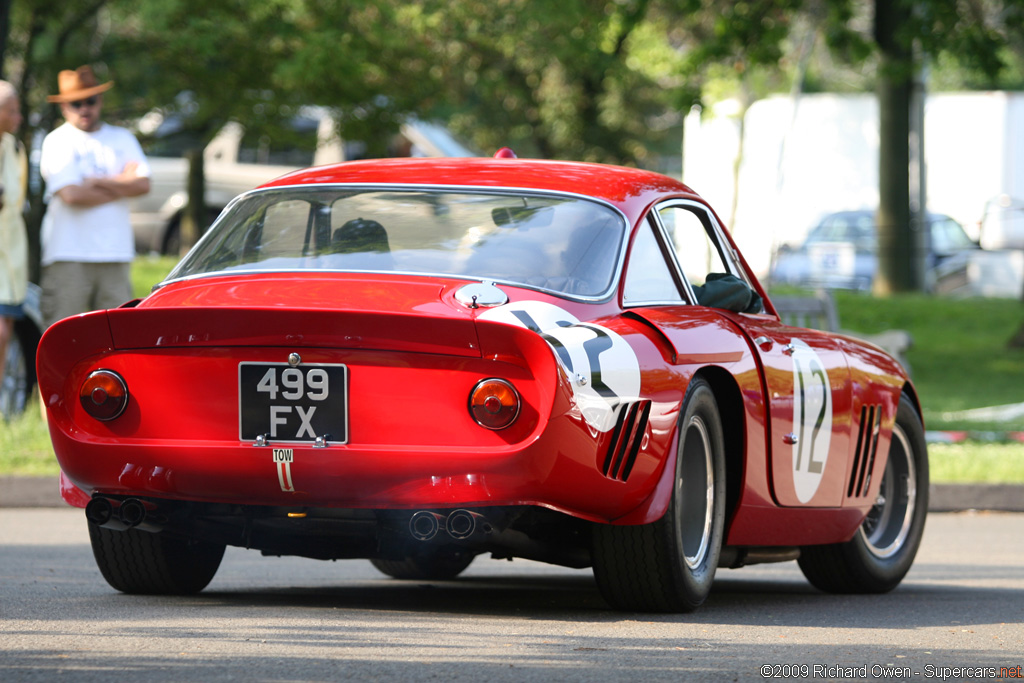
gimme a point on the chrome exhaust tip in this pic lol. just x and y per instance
(424, 525)
(99, 511)
(461, 524)
(132, 512)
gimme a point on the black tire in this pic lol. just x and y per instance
(134, 561)
(669, 565)
(432, 565)
(880, 554)
(18, 377)
(171, 243)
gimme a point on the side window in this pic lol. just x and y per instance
(648, 278)
(697, 253)
(280, 238)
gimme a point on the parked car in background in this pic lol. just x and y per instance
(419, 361)
(841, 252)
(1002, 223)
(235, 161)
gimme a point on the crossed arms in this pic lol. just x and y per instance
(97, 191)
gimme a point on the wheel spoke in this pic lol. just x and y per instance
(888, 523)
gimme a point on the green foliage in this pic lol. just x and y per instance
(602, 80)
(550, 78)
(959, 359)
(25, 447)
(148, 271)
(206, 61)
(977, 463)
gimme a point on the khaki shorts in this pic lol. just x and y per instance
(70, 288)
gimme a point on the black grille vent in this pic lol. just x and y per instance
(626, 438)
(867, 447)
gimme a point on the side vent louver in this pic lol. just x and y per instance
(867, 447)
(626, 438)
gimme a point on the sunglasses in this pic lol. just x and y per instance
(87, 102)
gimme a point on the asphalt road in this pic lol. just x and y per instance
(273, 619)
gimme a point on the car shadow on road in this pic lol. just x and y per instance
(734, 600)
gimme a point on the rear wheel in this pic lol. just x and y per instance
(134, 561)
(432, 565)
(669, 565)
(880, 554)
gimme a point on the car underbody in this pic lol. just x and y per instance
(504, 532)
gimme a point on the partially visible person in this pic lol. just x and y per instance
(91, 168)
(13, 240)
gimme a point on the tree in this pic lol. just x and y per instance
(601, 80)
(549, 78)
(898, 256)
(205, 63)
(907, 32)
(42, 38)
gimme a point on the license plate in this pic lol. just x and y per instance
(293, 404)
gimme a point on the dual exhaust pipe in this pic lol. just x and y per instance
(424, 525)
(459, 524)
(115, 514)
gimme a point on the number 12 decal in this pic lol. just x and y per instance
(812, 420)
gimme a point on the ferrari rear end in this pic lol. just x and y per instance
(301, 408)
(310, 382)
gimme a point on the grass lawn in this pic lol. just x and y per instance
(959, 361)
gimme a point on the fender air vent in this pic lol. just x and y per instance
(626, 438)
(867, 447)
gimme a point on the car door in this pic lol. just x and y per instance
(804, 373)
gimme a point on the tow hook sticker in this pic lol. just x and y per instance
(602, 367)
(283, 458)
(812, 420)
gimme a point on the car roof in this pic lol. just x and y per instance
(870, 213)
(631, 190)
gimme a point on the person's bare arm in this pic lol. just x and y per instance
(86, 195)
(125, 184)
(97, 191)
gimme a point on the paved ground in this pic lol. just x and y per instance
(956, 616)
(43, 492)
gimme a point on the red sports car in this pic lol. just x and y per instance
(421, 361)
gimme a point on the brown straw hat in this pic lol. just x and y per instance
(77, 85)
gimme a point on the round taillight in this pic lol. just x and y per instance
(494, 403)
(104, 395)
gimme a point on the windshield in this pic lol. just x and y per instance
(563, 244)
(948, 236)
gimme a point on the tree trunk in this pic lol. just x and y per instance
(193, 221)
(5, 30)
(1017, 340)
(897, 271)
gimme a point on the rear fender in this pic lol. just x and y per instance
(731, 411)
(528, 350)
(63, 345)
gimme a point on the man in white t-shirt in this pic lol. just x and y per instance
(91, 168)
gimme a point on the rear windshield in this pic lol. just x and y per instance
(563, 244)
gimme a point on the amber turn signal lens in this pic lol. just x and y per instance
(494, 403)
(104, 395)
